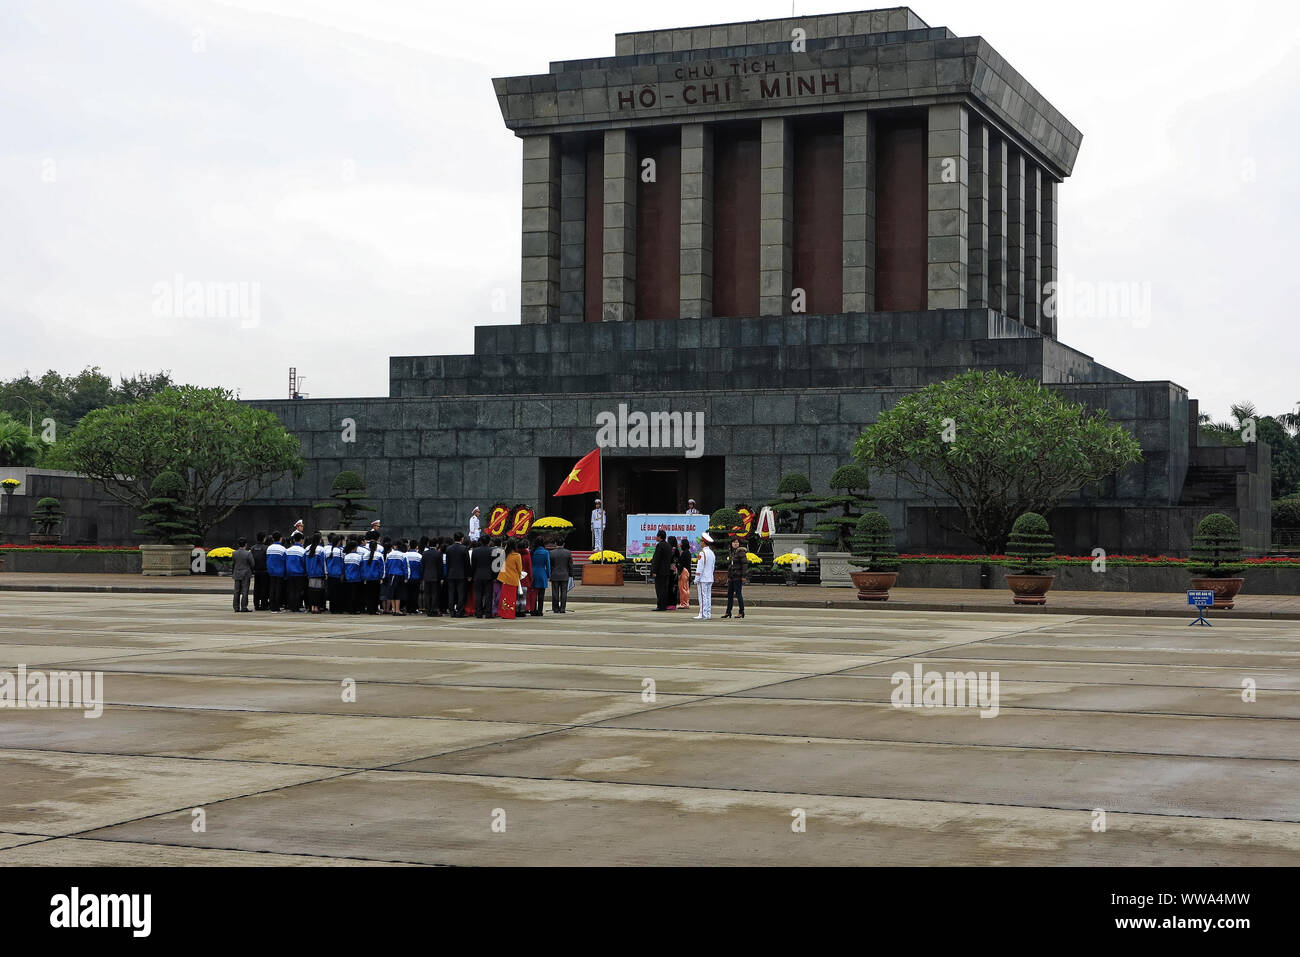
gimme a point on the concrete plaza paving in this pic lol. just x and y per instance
(457, 725)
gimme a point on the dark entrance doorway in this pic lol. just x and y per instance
(634, 485)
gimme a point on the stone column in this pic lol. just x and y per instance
(1049, 256)
(697, 221)
(539, 294)
(1033, 286)
(618, 292)
(977, 283)
(1015, 234)
(776, 218)
(949, 192)
(573, 228)
(997, 180)
(859, 283)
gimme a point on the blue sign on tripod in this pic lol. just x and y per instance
(1201, 600)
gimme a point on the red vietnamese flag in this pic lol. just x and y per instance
(584, 477)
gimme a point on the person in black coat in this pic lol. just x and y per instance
(480, 563)
(261, 581)
(458, 573)
(431, 578)
(661, 567)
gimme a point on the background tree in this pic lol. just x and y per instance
(852, 484)
(347, 493)
(225, 453)
(1016, 446)
(166, 518)
(18, 447)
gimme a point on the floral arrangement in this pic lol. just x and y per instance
(788, 559)
(639, 559)
(753, 559)
(606, 557)
(10, 484)
(224, 553)
(553, 523)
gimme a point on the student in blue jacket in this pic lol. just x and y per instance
(295, 572)
(372, 555)
(541, 575)
(334, 574)
(315, 562)
(414, 575)
(395, 571)
(275, 571)
(352, 577)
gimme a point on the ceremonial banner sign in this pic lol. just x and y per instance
(643, 530)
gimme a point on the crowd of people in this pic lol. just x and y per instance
(488, 577)
(365, 574)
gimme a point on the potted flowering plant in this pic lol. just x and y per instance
(792, 564)
(604, 568)
(873, 551)
(1215, 559)
(1030, 548)
(222, 559)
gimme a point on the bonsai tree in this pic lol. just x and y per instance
(872, 544)
(997, 446)
(790, 512)
(852, 483)
(725, 524)
(1030, 547)
(225, 452)
(347, 492)
(46, 515)
(167, 519)
(1216, 548)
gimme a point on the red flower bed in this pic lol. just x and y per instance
(1118, 560)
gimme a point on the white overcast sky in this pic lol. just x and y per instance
(348, 157)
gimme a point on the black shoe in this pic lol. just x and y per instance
(728, 615)
(741, 615)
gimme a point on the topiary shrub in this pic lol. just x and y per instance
(1216, 548)
(47, 514)
(836, 529)
(1030, 547)
(347, 492)
(872, 544)
(166, 518)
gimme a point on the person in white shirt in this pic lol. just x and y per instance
(475, 527)
(691, 508)
(598, 527)
(704, 577)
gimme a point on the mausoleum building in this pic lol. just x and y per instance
(777, 228)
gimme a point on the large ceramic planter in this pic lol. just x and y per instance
(36, 538)
(602, 574)
(1029, 589)
(874, 586)
(784, 542)
(719, 589)
(836, 572)
(1225, 589)
(165, 559)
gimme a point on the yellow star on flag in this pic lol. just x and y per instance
(573, 476)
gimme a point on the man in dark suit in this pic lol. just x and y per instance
(561, 572)
(480, 563)
(661, 567)
(457, 575)
(431, 578)
(261, 581)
